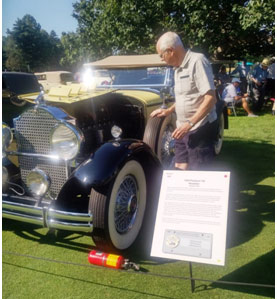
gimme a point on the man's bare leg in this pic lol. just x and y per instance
(245, 106)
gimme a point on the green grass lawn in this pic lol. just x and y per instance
(248, 152)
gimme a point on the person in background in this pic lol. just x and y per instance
(223, 77)
(230, 94)
(195, 100)
(271, 79)
(270, 87)
(242, 70)
(258, 79)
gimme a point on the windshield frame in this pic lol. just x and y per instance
(166, 82)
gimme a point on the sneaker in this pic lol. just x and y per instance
(252, 115)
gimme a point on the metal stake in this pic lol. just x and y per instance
(192, 281)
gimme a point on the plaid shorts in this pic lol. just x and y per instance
(197, 147)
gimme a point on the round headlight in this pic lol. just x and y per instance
(116, 131)
(38, 182)
(65, 141)
(7, 136)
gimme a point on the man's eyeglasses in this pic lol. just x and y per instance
(162, 54)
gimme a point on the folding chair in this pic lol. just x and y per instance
(231, 105)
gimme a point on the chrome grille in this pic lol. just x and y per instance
(32, 132)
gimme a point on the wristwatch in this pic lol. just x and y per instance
(190, 122)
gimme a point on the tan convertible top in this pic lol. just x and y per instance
(137, 61)
(128, 61)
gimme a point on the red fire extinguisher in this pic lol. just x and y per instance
(110, 260)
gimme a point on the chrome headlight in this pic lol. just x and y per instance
(65, 141)
(7, 136)
(116, 132)
(38, 182)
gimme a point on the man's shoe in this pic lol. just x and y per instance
(252, 115)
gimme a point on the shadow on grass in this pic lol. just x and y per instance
(250, 201)
(260, 270)
(87, 281)
(64, 239)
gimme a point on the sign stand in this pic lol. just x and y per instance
(191, 221)
(192, 281)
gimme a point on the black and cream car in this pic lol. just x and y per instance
(90, 159)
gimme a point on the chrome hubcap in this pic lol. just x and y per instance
(126, 206)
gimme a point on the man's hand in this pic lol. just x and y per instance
(256, 82)
(182, 131)
(160, 112)
(163, 112)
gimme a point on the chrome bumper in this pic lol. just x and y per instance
(46, 216)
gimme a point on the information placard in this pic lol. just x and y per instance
(191, 220)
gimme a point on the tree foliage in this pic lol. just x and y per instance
(30, 48)
(223, 29)
(74, 54)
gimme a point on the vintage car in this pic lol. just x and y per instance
(14, 84)
(91, 160)
(54, 79)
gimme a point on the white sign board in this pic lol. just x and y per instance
(191, 219)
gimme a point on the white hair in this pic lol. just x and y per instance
(169, 40)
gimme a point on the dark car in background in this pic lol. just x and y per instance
(13, 85)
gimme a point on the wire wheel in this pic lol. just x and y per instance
(118, 217)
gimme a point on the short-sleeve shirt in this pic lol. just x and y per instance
(242, 70)
(229, 93)
(193, 79)
(259, 73)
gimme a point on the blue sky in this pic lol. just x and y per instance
(50, 14)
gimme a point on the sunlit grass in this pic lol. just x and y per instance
(248, 152)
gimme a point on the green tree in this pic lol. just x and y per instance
(30, 48)
(223, 29)
(74, 54)
(12, 58)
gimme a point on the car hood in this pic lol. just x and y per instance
(66, 95)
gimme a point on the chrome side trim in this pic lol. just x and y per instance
(69, 215)
(21, 207)
(46, 217)
(73, 226)
(23, 218)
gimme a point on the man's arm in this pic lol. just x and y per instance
(253, 77)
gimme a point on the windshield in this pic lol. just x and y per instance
(129, 77)
(67, 77)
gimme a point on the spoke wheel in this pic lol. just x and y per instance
(118, 217)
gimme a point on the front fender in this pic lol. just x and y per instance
(101, 168)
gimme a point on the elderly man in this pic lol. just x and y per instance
(229, 95)
(195, 103)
